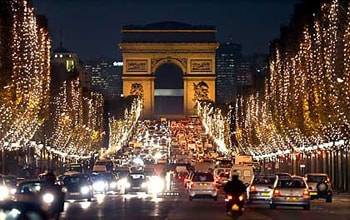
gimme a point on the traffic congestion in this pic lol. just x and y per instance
(166, 159)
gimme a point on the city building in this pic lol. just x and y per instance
(228, 60)
(105, 76)
(244, 77)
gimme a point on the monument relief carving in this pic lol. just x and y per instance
(201, 91)
(137, 90)
(201, 65)
(136, 65)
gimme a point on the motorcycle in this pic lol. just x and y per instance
(235, 205)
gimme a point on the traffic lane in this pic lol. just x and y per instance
(211, 210)
(120, 207)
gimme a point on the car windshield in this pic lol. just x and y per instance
(9, 180)
(136, 176)
(264, 180)
(32, 187)
(224, 175)
(292, 183)
(203, 177)
(74, 168)
(316, 179)
(74, 180)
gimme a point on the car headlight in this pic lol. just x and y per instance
(99, 186)
(124, 183)
(13, 191)
(64, 189)
(144, 185)
(48, 198)
(84, 190)
(4, 193)
(113, 185)
(241, 198)
(156, 184)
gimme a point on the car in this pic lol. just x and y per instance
(134, 183)
(202, 185)
(260, 188)
(320, 186)
(77, 187)
(290, 192)
(49, 198)
(99, 183)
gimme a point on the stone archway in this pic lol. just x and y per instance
(192, 48)
(169, 90)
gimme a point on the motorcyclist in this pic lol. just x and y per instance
(49, 179)
(234, 187)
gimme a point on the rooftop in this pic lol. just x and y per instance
(168, 25)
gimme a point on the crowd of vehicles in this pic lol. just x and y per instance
(159, 156)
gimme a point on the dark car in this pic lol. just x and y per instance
(320, 186)
(135, 182)
(49, 197)
(104, 182)
(77, 186)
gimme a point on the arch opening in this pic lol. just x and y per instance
(169, 90)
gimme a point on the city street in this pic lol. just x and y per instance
(180, 208)
(175, 110)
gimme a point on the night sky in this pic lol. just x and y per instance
(91, 28)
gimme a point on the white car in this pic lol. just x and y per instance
(290, 192)
(261, 188)
(202, 185)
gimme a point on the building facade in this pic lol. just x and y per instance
(105, 75)
(228, 60)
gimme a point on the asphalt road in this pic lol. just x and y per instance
(178, 207)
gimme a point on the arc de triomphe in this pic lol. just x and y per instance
(191, 48)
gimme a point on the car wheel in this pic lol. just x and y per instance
(272, 206)
(306, 207)
(215, 198)
(329, 199)
(190, 198)
(89, 199)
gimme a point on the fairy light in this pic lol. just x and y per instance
(72, 135)
(216, 124)
(121, 128)
(22, 115)
(304, 107)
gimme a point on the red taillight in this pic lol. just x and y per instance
(276, 192)
(228, 198)
(252, 189)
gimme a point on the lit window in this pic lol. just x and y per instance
(70, 65)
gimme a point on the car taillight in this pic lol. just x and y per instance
(228, 198)
(253, 189)
(276, 192)
(306, 192)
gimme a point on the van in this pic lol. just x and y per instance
(245, 172)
